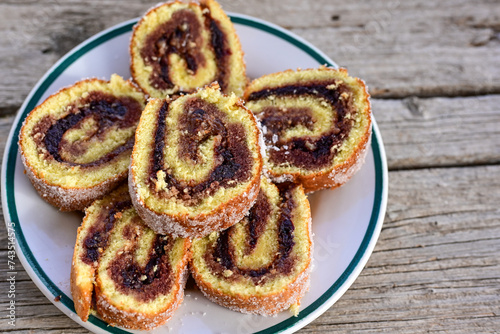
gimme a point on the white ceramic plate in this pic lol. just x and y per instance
(346, 221)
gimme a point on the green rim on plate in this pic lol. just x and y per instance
(126, 27)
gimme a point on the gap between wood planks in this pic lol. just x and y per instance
(464, 165)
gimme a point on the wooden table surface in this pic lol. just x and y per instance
(433, 70)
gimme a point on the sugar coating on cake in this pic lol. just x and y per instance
(316, 125)
(135, 276)
(178, 47)
(196, 163)
(76, 145)
(262, 264)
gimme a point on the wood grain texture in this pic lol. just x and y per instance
(431, 132)
(432, 68)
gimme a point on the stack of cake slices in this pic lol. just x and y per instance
(218, 170)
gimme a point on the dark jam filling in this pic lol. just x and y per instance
(148, 281)
(306, 152)
(98, 236)
(200, 122)
(179, 35)
(182, 35)
(107, 110)
(221, 49)
(257, 218)
(221, 257)
(278, 121)
(159, 143)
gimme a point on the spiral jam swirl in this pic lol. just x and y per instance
(132, 276)
(226, 163)
(225, 256)
(77, 138)
(97, 238)
(291, 132)
(146, 280)
(182, 36)
(117, 224)
(177, 48)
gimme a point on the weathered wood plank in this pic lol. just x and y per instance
(5, 125)
(448, 49)
(425, 132)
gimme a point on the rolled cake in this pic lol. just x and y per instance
(76, 145)
(135, 276)
(316, 125)
(178, 47)
(196, 163)
(260, 265)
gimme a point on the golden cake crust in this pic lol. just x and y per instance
(50, 187)
(341, 174)
(337, 173)
(220, 218)
(81, 290)
(268, 305)
(71, 198)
